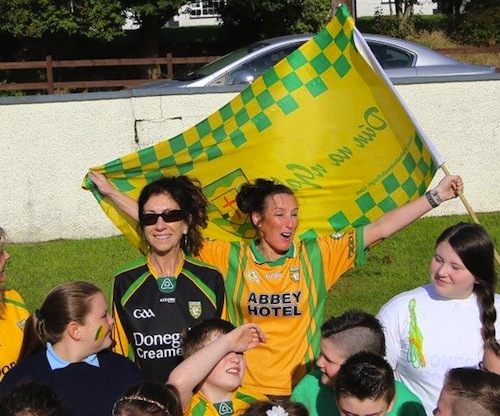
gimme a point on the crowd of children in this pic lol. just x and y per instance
(254, 353)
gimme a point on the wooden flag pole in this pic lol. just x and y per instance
(469, 210)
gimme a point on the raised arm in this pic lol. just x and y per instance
(191, 372)
(399, 218)
(124, 202)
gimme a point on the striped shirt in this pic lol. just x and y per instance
(286, 298)
(240, 400)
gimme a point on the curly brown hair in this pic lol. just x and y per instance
(189, 195)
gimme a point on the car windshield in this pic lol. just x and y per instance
(222, 62)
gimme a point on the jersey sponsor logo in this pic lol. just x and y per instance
(143, 314)
(274, 275)
(167, 284)
(253, 276)
(224, 408)
(274, 304)
(157, 346)
(167, 300)
(294, 274)
(195, 308)
(21, 324)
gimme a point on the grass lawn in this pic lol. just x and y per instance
(397, 264)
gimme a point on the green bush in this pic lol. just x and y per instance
(432, 23)
(480, 28)
(392, 26)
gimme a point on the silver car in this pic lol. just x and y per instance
(399, 58)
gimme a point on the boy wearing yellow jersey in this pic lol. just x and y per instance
(213, 368)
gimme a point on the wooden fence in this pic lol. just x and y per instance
(51, 86)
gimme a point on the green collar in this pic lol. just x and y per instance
(259, 257)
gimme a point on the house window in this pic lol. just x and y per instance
(204, 8)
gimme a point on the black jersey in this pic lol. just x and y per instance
(151, 312)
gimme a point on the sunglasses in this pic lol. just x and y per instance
(173, 215)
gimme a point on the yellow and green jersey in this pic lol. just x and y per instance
(286, 298)
(241, 398)
(13, 315)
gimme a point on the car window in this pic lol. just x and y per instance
(391, 57)
(260, 64)
(222, 62)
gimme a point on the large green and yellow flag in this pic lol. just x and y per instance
(325, 121)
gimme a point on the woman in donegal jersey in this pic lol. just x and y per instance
(158, 296)
(13, 315)
(281, 283)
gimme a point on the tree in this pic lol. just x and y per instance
(249, 20)
(94, 19)
(404, 10)
(480, 23)
(56, 27)
(152, 15)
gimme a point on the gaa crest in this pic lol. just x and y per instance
(294, 274)
(195, 308)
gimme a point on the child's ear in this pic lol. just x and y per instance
(73, 329)
(391, 404)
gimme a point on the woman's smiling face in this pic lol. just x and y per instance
(163, 236)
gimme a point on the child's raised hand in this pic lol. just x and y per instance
(246, 337)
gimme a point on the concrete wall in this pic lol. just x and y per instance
(47, 144)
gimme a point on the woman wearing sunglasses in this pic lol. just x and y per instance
(13, 315)
(159, 295)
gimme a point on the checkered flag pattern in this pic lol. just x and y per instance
(294, 124)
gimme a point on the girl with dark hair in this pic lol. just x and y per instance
(446, 323)
(280, 282)
(66, 348)
(158, 296)
(32, 399)
(13, 315)
(149, 398)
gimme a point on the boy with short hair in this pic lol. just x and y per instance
(214, 366)
(352, 332)
(469, 391)
(365, 386)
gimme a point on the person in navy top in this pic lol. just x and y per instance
(65, 347)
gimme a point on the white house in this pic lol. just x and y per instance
(204, 12)
(387, 8)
